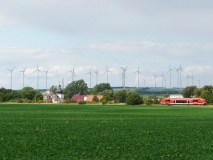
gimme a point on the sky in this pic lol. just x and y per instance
(151, 35)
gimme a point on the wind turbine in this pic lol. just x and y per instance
(23, 75)
(139, 73)
(107, 71)
(124, 76)
(97, 73)
(165, 81)
(46, 76)
(170, 70)
(181, 70)
(177, 70)
(73, 73)
(11, 70)
(199, 82)
(187, 78)
(90, 73)
(162, 78)
(144, 80)
(192, 78)
(155, 79)
(37, 70)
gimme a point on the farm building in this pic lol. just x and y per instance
(88, 98)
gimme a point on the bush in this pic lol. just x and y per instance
(20, 101)
(40, 101)
(104, 102)
(149, 102)
(81, 102)
(95, 99)
(70, 101)
(134, 99)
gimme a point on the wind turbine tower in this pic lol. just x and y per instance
(11, 71)
(23, 75)
(155, 79)
(177, 70)
(199, 82)
(187, 80)
(170, 70)
(97, 73)
(139, 73)
(180, 70)
(37, 70)
(192, 78)
(90, 73)
(124, 76)
(144, 80)
(162, 78)
(107, 71)
(73, 73)
(46, 76)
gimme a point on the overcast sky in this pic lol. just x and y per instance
(149, 34)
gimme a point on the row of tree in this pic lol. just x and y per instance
(27, 94)
(205, 92)
(80, 88)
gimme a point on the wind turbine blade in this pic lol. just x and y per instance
(35, 71)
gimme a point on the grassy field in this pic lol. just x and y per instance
(30, 131)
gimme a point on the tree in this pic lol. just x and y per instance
(95, 99)
(154, 99)
(206, 95)
(53, 89)
(197, 92)
(120, 96)
(189, 91)
(38, 96)
(134, 99)
(100, 88)
(76, 87)
(107, 93)
(28, 93)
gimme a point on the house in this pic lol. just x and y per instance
(49, 96)
(88, 98)
(54, 97)
(78, 97)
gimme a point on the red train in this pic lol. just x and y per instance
(187, 101)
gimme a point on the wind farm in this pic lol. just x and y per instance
(140, 77)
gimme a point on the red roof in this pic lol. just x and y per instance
(78, 97)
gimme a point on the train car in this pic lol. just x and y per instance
(186, 101)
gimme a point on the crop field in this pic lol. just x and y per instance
(43, 131)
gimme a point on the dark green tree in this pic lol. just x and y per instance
(206, 95)
(120, 96)
(76, 87)
(134, 99)
(53, 89)
(28, 93)
(37, 97)
(189, 91)
(95, 99)
(197, 92)
(100, 88)
(107, 93)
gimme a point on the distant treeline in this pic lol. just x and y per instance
(143, 91)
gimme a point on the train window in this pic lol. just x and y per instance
(195, 100)
(168, 100)
(181, 101)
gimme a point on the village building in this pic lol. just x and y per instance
(87, 98)
(57, 97)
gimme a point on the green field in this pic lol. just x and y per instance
(42, 131)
